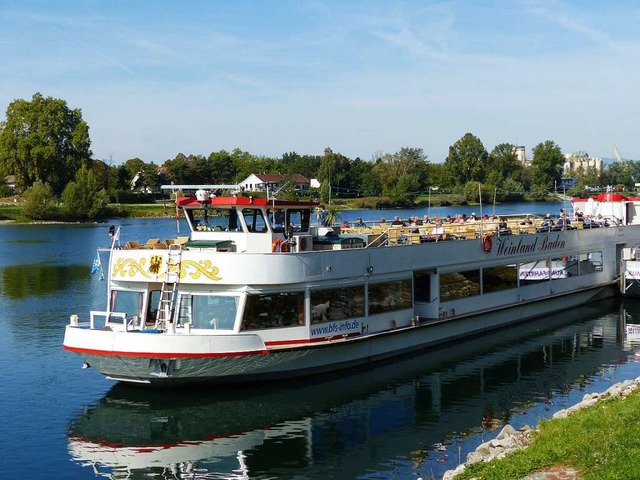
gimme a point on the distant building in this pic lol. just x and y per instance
(261, 182)
(9, 181)
(521, 155)
(581, 160)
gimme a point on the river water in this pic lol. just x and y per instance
(411, 418)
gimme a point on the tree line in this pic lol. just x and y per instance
(46, 146)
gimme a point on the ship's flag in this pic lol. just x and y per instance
(97, 265)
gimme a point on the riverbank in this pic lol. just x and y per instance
(597, 438)
(12, 209)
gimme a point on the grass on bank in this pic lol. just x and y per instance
(15, 212)
(602, 442)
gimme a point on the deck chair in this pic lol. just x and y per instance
(151, 243)
(181, 240)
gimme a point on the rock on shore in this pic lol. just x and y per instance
(510, 440)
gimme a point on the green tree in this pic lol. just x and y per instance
(223, 168)
(400, 174)
(334, 168)
(547, 164)
(325, 191)
(625, 173)
(306, 165)
(362, 182)
(503, 160)
(84, 199)
(43, 140)
(40, 204)
(466, 160)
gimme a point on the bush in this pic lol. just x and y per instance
(472, 195)
(6, 191)
(538, 193)
(372, 203)
(40, 204)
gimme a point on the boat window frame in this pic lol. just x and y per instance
(402, 305)
(113, 298)
(232, 224)
(298, 321)
(180, 319)
(476, 280)
(327, 314)
(252, 228)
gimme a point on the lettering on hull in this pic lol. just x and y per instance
(524, 244)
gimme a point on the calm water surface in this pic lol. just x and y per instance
(406, 419)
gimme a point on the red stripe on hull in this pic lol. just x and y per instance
(164, 355)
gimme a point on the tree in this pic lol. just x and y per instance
(43, 140)
(466, 160)
(401, 174)
(362, 182)
(223, 168)
(547, 164)
(335, 169)
(83, 198)
(306, 165)
(504, 161)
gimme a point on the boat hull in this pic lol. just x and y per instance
(164, 368)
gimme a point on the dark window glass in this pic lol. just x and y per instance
(337, 304)
(275, 310)
(389, 296)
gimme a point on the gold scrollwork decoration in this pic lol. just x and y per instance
(128, 266)
(195, 269)
(202, 267)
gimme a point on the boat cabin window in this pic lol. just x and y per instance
(390, 296)
(215, 312)
(273, 310)
(590, 262)
(213, 219)
(337, 304)
(459, 285)
(277, 219)
(299, 219)
(126, 301)
(496, 279)
(255, 220)
(152, 305)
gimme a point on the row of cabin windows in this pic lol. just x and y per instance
(278, 310)
(214, 219)
(275, 310)
(468, 283)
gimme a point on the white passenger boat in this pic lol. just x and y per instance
(256, 291)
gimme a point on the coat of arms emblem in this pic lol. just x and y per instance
(155, 264)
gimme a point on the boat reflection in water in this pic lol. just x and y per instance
(414, 417)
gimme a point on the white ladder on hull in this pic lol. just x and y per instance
(166, 304)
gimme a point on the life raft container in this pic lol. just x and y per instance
(487, 243)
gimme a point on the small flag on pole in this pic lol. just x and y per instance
(97, 265)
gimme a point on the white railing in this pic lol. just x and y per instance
(108, 320)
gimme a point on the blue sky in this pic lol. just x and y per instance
(155, 78)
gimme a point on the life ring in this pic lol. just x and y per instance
(487, 243)
(275, 246)
(284, 247)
